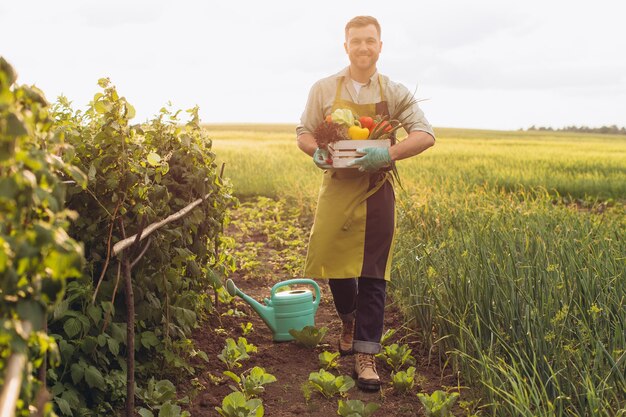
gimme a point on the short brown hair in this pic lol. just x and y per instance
(361, 21)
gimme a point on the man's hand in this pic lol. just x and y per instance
(322, 159)
(372, 160)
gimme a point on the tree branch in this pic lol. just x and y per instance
(123, 244)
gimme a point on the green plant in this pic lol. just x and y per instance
(280, 223)
(234, 312)
(37, 256)
(213, 379)
(396, 356)
(471, 408)
(403, 381)
(328, 360)
(246, 328)
(235, 404)
(235, 352)
(252, 384)
(136, 175)
(439, 403)
(387, 336)
(244, 346)
(328, 384)
(356, 408)
(160, 398)
(309, 336)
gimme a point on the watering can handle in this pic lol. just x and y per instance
(316, 302)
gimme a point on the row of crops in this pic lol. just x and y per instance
(526, 298)
(73, 184)
(510, 258)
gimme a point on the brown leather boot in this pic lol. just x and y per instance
(346, 337)
(367, 378)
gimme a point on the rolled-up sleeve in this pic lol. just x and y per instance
(312, 115)
(413, 119)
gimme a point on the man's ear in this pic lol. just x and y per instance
(345, 46)
(381, 46)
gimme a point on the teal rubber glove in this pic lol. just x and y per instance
(372, 160)
(322, 159)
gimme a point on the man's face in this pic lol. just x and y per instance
(363, 45)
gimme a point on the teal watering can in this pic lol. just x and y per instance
(284, 310)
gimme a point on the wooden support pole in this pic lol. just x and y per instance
(130, 340)
(13, 378)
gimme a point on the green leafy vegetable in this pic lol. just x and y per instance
(252, 383)
(403, 381)
(309, 336)
(236, 405)
(343, 117)
(328, 384)
(439, 403)
(397, 356)
(328, 360)
(356, 408)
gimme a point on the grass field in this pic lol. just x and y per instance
(265, 160)
(511, 248)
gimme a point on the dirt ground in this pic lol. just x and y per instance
(291, 364)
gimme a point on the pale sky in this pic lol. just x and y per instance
(480, 64)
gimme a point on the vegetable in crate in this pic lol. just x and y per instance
(329, 132)
(343, 117)
(358, 133)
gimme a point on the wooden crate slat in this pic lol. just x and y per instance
(344, 151)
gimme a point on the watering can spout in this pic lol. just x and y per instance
(266, 313)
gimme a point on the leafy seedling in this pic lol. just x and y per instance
(403, 381)
(328, 360)
(235, 404)
(246, 328)
(309, 336)
(244, 346)
(439, 403)
(234, 312)
(252, 384)
(356, 408)
(397, 356)
(328, 384)
(233, 353)
(160, 398)
(387, 336)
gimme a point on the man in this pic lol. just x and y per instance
(352, 236)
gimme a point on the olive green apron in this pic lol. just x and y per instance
(353, 231)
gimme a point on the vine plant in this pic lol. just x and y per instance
(136, 175)
(36, 254)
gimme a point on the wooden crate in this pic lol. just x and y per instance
(344, 151)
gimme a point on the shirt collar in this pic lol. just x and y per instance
(346, 74)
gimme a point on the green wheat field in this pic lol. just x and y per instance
(510, 257)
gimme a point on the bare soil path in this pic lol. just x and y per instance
(290, 363)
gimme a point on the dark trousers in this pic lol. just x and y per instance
(364, 300)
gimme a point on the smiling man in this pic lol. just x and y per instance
(352, 236)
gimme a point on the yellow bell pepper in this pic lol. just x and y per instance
(356, 132)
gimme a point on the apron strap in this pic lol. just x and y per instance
(338, 92)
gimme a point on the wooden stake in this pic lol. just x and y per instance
(13, 378)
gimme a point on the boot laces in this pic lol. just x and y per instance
(367, 361)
